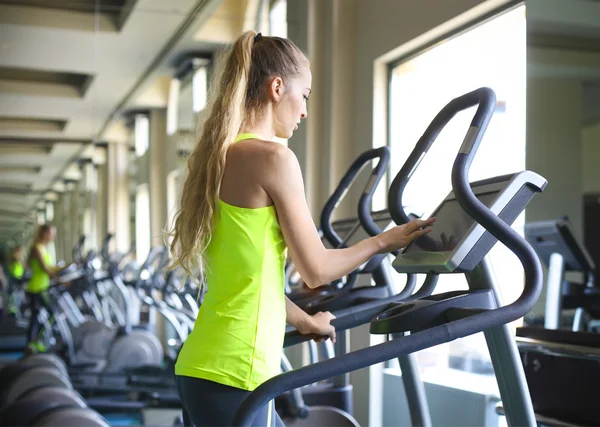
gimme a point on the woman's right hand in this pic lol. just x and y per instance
(402, 235)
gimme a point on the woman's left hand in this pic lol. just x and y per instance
(320, 327)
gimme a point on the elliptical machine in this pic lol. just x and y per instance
(477, 215)
(98, 353)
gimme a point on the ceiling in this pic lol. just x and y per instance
(564, 42)
(71, 5)
(70, 70)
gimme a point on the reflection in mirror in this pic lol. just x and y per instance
(563, 114)
(563, 145)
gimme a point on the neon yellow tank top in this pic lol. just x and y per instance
(238, 336)
(39, 278)
(16, 270)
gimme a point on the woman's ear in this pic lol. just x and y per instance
(276, 89)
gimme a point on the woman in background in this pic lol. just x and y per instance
(42, 271)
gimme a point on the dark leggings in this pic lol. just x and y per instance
(207, 403)
(36, 301)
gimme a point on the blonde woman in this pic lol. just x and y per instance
(242, 207)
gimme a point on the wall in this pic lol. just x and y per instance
(153, 169)
(118, 197)
(102, 204)
(61, 224)
(315, 27)
(297, 17)
(554, 148)
(590, 156)
(158, 175)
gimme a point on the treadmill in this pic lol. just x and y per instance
(470, 221)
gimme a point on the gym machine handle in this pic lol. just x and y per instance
(157, 252)
(383, 154)
(588, 266)
(486, 99)
(347, 318)
(77, 250)
(163, 261)
(104, 249)
(366, 221)
(433, 310)
(473, 321)
(364, 203)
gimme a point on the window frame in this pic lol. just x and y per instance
(459, 30)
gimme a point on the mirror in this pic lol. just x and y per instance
(563, 113)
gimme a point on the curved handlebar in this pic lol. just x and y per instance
(383, 154)
(364, 204)
(104, 248)
(487, 101)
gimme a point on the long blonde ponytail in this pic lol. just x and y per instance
(236, 93)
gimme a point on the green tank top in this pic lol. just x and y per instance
(39, 278)
(237, 338)
(16, 270)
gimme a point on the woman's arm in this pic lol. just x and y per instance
(282, 180)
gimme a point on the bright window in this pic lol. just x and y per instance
(49, 211)
(172, 110)
(278, 19)
(173, 194)
(89, 229)
(90, 174)
(142, 223)
(492, 54)
(142, 134)
(278, 28)
(199, 89)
